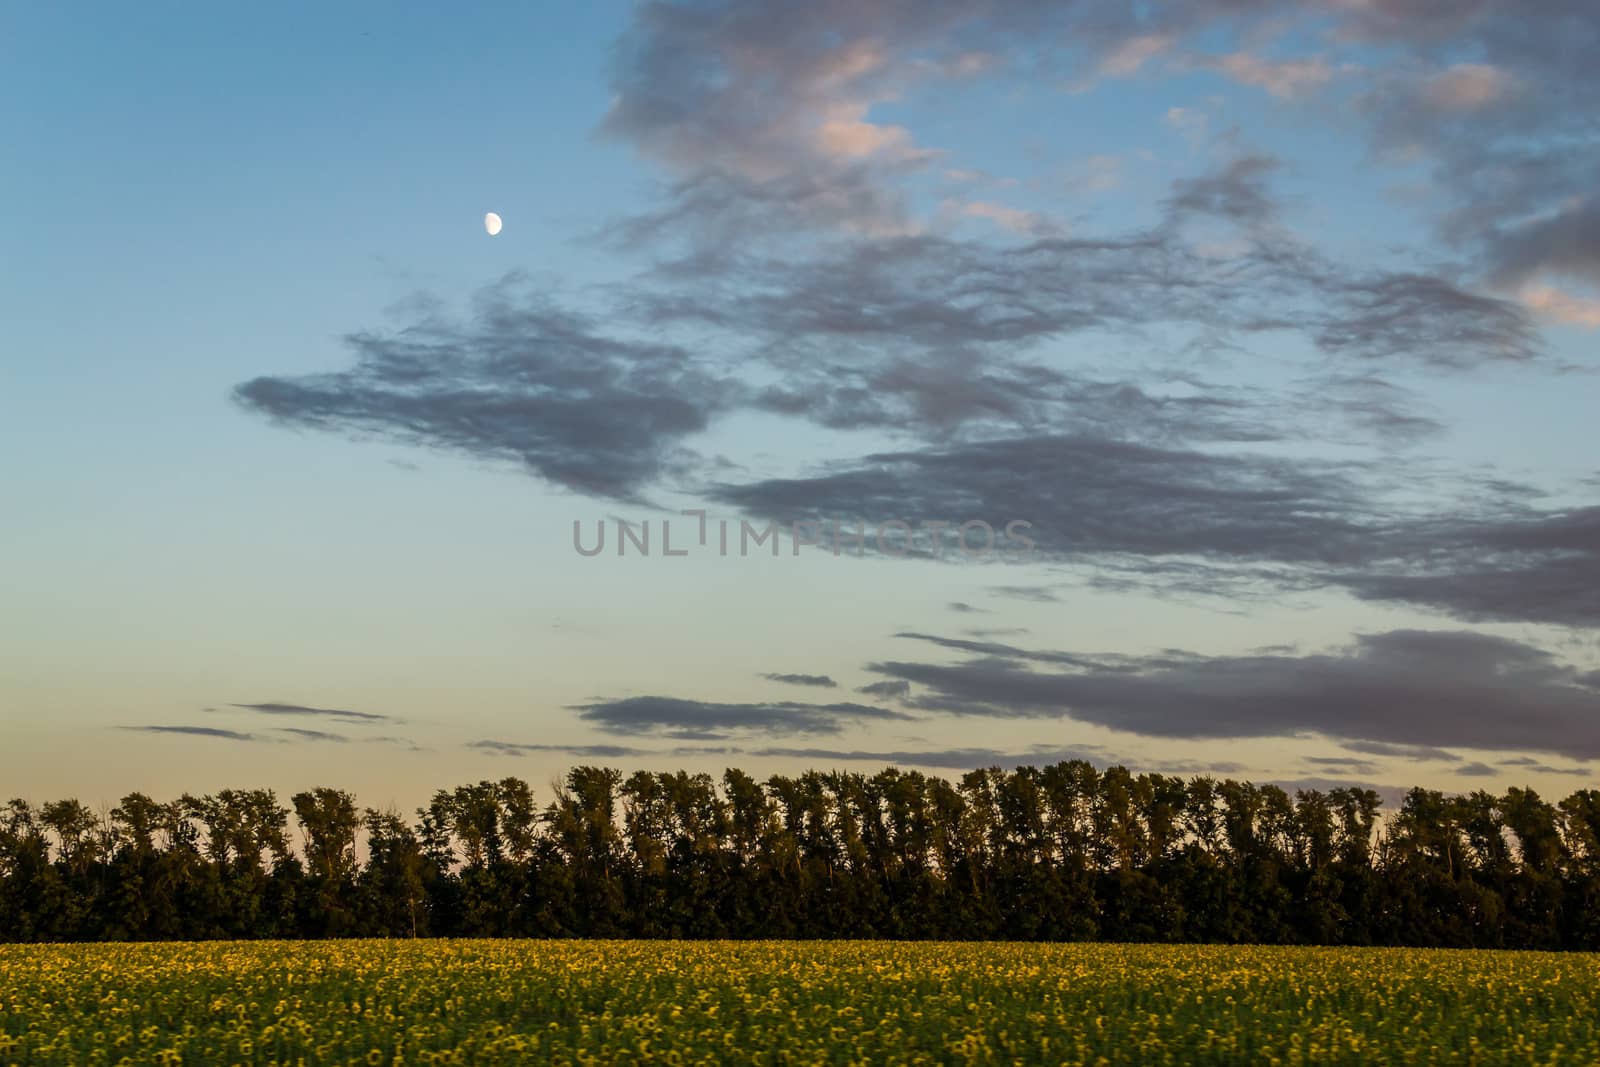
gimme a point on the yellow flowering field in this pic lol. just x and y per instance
(840, 1002)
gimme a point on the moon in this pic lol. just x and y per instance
(491, 223)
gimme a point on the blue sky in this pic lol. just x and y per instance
(1278, 329)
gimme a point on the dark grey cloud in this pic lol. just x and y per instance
(1038, 594)
(1417, 753)
(402, 742)
(698, 720)
(866, 315)
(1342, 763)
(299, 734)
(1476, 770)
(714, 213)
(948, 758)
(1404, 687)
(964, 608)
(819, 681)
(311, 735)
(1420, 316)
(196, 731)
(1235, 523)
(577, 751)
(978, 757)
(1518, 563)
(301, 709)
(1000, 651)
(1530, 764)
(1567, 243)
(886, 690)
(1371, 408)
(1237, 191)
(1088, 495)
(509, 748)
(523, 381)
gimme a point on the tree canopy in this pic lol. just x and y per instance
(1063, 852)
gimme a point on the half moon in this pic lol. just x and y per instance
(491, 223)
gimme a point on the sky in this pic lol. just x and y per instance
(1267, 328)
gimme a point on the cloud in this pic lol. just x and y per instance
(1515, 563)
(821, 681)
(403, 742)
(997, 650)
(1560, 306)
(521, 381)
(928, 338)
(961, 607)
(1476, 770)
(195, 731)
(1352, 766)
(886, 690)
(1192, 122)
(1087, 496)
(947, 759)
(1282, 78)
(767, 97)
(1409, 752)
(1096, 174)
(1376, 408)
(1535, 766)
(1467, 87)
(508, 748)
(698, 720)
(1129, 56)
(1237, 192)
(1402, 687)
(979, 758)
(311, 735)
(1566, 241)
(300, 734)
(1038, 594)
(300, 709)
(941, 298)
(764, 97)
(1498, 106)
(1011, 219)
(1166, 516)
(776, 98)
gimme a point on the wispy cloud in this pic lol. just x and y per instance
(196, 731)
(886, 690)
(817, 681)
(303, 710)
(697, 720)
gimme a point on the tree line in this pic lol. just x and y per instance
(1063, 852)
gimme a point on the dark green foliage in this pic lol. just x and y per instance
(1066, 852)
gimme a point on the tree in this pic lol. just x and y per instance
(1065, 851)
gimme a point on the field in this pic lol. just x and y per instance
(597, 1002)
